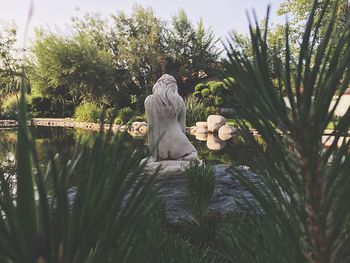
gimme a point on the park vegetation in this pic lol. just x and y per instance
(117, 216)
(108, 63)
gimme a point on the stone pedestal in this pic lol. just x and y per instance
(166, 167)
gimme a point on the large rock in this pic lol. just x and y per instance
(226, 132)
(215, 122)
(193, 130)
(214, 143)
(201, 136)
(201, 131)
(202, 124)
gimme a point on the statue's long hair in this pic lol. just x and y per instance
(166, 92)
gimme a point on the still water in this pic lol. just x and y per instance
(52, 140)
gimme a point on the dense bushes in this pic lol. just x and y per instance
(47, 106)
(91, 112)
(88, 112)
(9, 107)
(111, 62)
(214, 94)
(124, 116)
(205, 92)
(199, 87)
(195, 110)
(216, 87)
(41, 106)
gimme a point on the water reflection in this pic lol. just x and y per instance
(52, 140)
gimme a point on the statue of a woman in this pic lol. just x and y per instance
(166, 116)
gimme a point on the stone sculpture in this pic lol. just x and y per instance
(166, 116)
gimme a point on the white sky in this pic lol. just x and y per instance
(221, 15)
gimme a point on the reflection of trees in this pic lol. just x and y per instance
(8, 139)
(52, 140)
(84, 136)
(8, 170)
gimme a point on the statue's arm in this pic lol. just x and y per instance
(153, 130)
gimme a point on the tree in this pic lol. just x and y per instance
(181, 39)
(72, 69)
(140, 46)
(192, 50)
(128, 54)
(98, 29)
(205, 52)
(9, 61)
(300, 10)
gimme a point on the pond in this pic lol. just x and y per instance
(51, 140)
(228, 191)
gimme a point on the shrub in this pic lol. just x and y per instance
(111, 113)
(9, 107)
(197, 94)
(199, 87)
(217, 88)
(205, 92)
(200, 187)
(40, 106)
(88, 112)
(201, 228)
(124, 115)
(195, 110)
(210, 83)
(140, 117)
(218, 101)
(118, 121)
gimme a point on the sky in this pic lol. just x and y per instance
(221, 15)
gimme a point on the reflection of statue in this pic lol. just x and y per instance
(166, 116)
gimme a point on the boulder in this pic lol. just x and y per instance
(202, 124)
(226, 132)
(201, 131)
(214, 143)
(201, 136)
(192, 130)
(215, 122)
